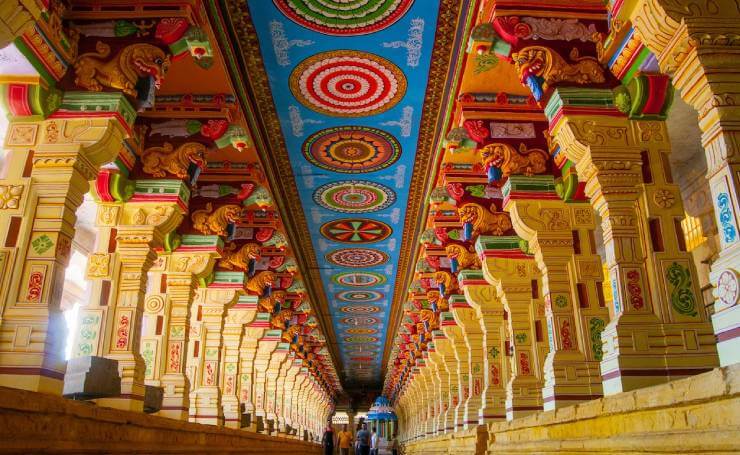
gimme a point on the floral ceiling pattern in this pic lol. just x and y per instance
(348, 79)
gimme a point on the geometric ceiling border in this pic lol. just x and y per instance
(248, 72)
(453, 24)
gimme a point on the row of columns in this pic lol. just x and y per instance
(649, 326)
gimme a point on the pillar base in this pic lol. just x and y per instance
(630, 362)
(523, 397)
(727, 328)
(569, 379)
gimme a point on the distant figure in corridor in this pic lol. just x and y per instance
(327, 441)
(363, 441)
(344, 441)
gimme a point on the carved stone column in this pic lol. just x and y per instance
(697, 46)
(285, 415)
(427, 391)
(434, 367)
(607, 151)
(143, 226)
(185, 270)
(456, 339)
(247, 352)
(446, 360)
(516, 284)
(278, 357)
(237, 318)
(220, 295)
(298, 387)
(38, 217)
(91, 337)
(468, 321)
(267, 345)
(482, 297)
(548, 225)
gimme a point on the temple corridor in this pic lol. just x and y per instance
(369, 227)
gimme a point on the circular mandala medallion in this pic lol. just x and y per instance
(354, 196)
(358, 279)
(360, 320)
(344, 17)
(347, 83)
(361, 359)
(361, 331)
(360, 309)
(360, 339)
(351, 149)
(357, 257)
(356, 231)
(359, 296)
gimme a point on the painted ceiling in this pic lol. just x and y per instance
(348, 80)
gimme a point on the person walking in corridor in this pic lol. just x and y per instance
(327, 441)
(363, 440)
(344, 441)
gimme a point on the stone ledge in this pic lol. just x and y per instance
(32, 422)
(699, 414)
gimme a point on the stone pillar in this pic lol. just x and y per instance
(143, 226)
(427, 394)
(184, 271)
(548, 225)
(38, 218)
(468, 321)
(267, 346)
(607, 151)
(247, 352)
(297, 393)
(691, 45)
(237, 318)
(220, 295)
(460, 350)
(443, 346)
(490, 315)
(437, 413)
(277, 359)
(439, 357)
(291, 378)
(516, 284)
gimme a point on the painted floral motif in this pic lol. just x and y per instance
(495, 374)
(347, 83)
(345, 18)
(35, 286)
(682, 296)
(357, 257)
(122, 332)
(42, 244)
(148, 349)
(729, 232)
(634, 289)
(175, 355)
(356, 231)
(595, 327)
(524, 364)
(89, 326)
(565, 335)
(351, 149)
(561, 301)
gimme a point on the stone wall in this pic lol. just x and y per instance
(33, 422)
(700, 414)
